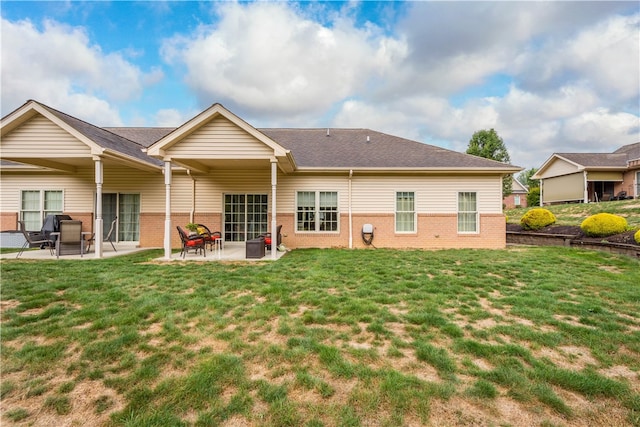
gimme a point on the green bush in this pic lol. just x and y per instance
(603, 224)
(536, 219)
(533, 197)
(637, 237)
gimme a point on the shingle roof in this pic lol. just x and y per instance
(597, 160)
(104, 138)
(143, 136)
(365, 148)
(631, 150)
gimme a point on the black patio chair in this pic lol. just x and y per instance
(267, 238)
(34, 238)
(210, 238)
(195, 242)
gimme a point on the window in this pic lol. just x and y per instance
(35, 205)
(467, 212)
(516, 200)
(317, 211)
(405, 212)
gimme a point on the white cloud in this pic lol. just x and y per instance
(59, 66)
(269, 58)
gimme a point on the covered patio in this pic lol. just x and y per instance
(232, 251)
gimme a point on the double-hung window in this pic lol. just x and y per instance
(317, 211)
(35, 205)
(405, 212)
(467, 212)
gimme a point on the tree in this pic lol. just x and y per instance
(488, 144)
(525, 178)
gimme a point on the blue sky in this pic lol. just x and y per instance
(548, 76)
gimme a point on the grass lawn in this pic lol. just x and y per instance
(575, 213)
(523, 337)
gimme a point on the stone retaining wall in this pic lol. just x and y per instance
(541, 239)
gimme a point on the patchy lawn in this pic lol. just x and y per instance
(521, 337)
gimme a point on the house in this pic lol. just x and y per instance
(518, 196)
(321, 185)
(590, 177)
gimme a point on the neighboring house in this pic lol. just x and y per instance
(590, 177)
(321, 185)
(518, 196)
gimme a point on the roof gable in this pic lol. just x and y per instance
(214, 113)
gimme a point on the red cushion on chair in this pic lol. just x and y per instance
(267, 240)
(194, 242)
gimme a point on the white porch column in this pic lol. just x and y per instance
(274, 222)
(350, 213)
(167, 217)
(586, 188)
(97, 227)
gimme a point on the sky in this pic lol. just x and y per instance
(549, 77)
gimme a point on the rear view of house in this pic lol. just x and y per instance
(321, 185)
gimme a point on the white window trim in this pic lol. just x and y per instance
(41, 208)
(395, 212)
(317, 212)
(477, 212)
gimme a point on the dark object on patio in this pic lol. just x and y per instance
(109, 237)
(51, 224)
(70, 241)
(255, 247)
(267, 238)
(210, 238)
(34, 238)
(622, 195)
(191, 242)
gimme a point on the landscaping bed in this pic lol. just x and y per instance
(571, 235)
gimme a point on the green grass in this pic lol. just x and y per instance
(575, 213)
(324, 337)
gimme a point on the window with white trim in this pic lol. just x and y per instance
(317, 211)
(35, 205)
(516, 200)
(467, 212)
(405, 212)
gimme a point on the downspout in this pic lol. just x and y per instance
(350, 212)
(193, 196)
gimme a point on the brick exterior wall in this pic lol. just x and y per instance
(9, 220)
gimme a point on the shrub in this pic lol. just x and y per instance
(603, 224)
(637, 237)
(537, 218)
(533, 196)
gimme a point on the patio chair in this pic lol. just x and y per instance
(109, 237)
(210, 238)
(70, 241)
(195, 242)
(267, 238)
(33, 238)
(622, 195)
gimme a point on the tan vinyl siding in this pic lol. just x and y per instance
(149, 185)
(604, 176)
(559, 167)
(220, 139)
(563, 188)
(376, 194)
(41, 138)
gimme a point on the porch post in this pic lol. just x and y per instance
(97, 227)
(586, 188)
(167, 218)
(274, 222)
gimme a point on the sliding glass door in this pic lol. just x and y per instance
(245, 216)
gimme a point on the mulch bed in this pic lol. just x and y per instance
(624, 238)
